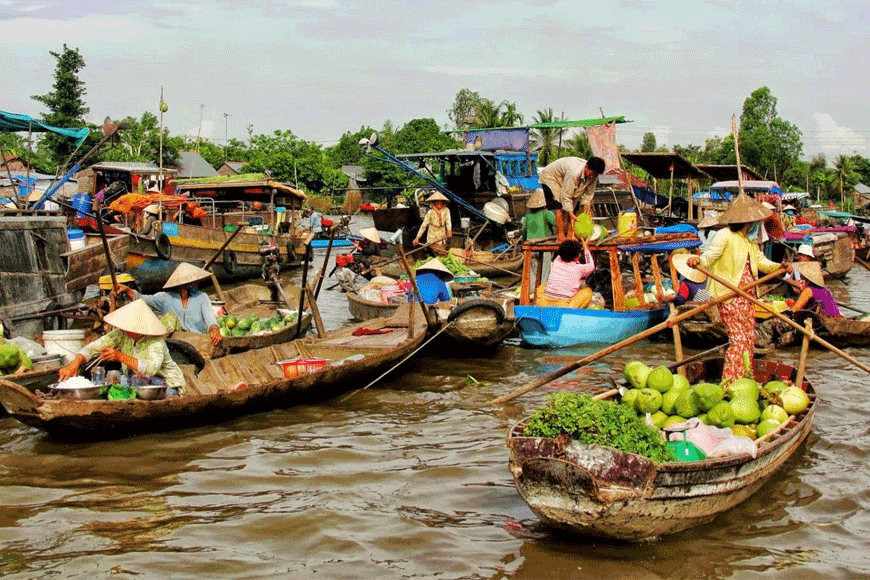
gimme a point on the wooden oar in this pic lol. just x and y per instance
(785, 319)
(491, 265)
(110, 264)
(622, 344)
(397, 258)
(862, 262)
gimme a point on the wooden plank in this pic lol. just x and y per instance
(657, 277)
(527, 272)
(638, 281)
(616, 281)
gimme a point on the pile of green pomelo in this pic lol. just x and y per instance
(747, 408)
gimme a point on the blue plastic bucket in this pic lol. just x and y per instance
(82, 203)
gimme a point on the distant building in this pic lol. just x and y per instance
(231, 167)
(191, 165)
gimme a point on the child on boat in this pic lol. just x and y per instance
(566, 285)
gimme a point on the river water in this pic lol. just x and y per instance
(409, 479)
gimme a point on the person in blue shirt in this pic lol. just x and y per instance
(183, 306)
(432, 278)
(315, 222)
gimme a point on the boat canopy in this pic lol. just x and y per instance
(13, 123)
(754, 188)
(793, 195)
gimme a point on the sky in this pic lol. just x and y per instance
(320, 68)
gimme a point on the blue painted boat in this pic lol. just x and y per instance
(336, 243)
(556, 327)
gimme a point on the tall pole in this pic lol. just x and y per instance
(161, 139)
(226, 135)
(199, 129)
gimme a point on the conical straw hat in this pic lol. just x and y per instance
(710, 220)
(136, 317)
(812, 271)
(536, 200)
(744, 210)
(185, 274)
(435, 265)
(438, 196)
(371, 234)
(680, 265)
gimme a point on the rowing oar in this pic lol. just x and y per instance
(110, 263)
(787, 320)
(397, 258)
(862, 262)
(670, 322)
(392, 368)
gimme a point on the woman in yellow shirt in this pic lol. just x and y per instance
(734, 255)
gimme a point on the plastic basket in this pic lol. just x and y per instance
(296, 367)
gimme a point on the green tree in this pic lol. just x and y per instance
(488, 115)
(861, 167)
(648, 143)
(578, 145)
(209, 151)
(140, 141)
(422, 136)
(65, 103)
(464, 110)
(292, 159)
(546, 139)
(845, 176)
(510, 117)
(768, 143)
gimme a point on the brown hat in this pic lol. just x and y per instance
(710, 220)
(435, 265)
(185, 274)
(812, 271)
(438, 196)
(536, 199)
(371, 234)
(136, 317)
(680, 265)
(744, 210)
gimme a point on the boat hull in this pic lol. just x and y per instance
(556, 327)
(604, 492)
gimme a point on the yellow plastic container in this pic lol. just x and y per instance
(627, 224)
(777, 305)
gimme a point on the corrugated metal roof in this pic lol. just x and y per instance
(132, 167)
(659, 164)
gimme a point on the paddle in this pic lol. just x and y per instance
(622, 344)
(785, 319)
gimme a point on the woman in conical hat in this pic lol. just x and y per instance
(735, 256)
(432, 278)
(436, 224)
(809, 283)
(182, 306)
(136, 341)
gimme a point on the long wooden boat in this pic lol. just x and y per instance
(231, 386)
(243, 301)
(832, 248)
(838, 330)
(602, 491)
(557, 327)
(488, 264)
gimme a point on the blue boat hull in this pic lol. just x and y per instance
(555, 327)
(336, 243)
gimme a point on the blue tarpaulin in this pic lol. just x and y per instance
(515, 139)
(13, 123)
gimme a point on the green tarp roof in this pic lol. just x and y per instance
(13, 123)
(581, 123)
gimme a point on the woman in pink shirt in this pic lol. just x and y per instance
(566, 286)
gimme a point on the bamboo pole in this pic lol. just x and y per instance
(805, 349)
(396, 259)
(315, 311)
(220, 250)
(669, 323)
(413, 279)
(787, 320)
(110, 264)
(322, 274)
(302, 293)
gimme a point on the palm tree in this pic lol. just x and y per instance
(543, 138)
(510, 117)
(488, 115)
(843, 166)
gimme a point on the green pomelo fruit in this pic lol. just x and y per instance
(745, 409)
(648, 401)
(722, 415)
(686, 404)
(766, 427)
(709, 395)
(672, 420)
(660, 379)
(743, 431)
(659, 418)
(669, 399)
(775, 386)
(774, 412)
(627, 369)
(743, 387)
(629, 398)
(680, 382)
(638, 375)
(583, 227)
(704, 419)
(794, 400)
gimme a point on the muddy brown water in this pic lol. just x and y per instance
(409, 479)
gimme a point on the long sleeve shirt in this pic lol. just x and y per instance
(438, 224)
(151, 354)
(538, 225)
(432, 288)
(566, 278)
(197, 316)
(727, 257)
(567, 180)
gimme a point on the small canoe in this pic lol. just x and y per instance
(488, 264)
(363, 309)
(838, 330)
(602, 491)
(231, 386)
(557, 327)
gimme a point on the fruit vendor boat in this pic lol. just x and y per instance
(556, 327)
(838, 330)
(303, 371)
(601, 491)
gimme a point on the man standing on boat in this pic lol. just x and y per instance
(569, 182)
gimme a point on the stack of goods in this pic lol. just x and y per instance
(253, 325)
(385, 290)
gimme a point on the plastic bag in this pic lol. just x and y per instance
(30, 348)
(734, 445)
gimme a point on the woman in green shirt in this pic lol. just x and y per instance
(539, 223)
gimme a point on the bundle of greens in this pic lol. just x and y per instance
(604, 423)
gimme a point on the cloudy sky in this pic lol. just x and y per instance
(319, 68)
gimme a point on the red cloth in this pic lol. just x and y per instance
(368, 331)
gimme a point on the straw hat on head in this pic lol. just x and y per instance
(136, 317)
(437, 196)
(185, 274)
(152, 189)
(768, 205)
(536, 199)
(789, 207)
(711, 218)
(812, 271)
(806, 250)
(744, 210)
(152, 208)
(680, 265)
(435, 265)
(371, 234)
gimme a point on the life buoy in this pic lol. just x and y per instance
(231, 263)
(163, 246)
(475, 304)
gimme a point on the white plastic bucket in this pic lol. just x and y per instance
(66, 343)
(465, 223)
(496, 213)
(76, 238)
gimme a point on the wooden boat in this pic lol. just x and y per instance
(832, 248)
(243, 301)
(231, 386)
(839, 331)
(488, 264)
(556, 327)
(363, 309)
(605, 492)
